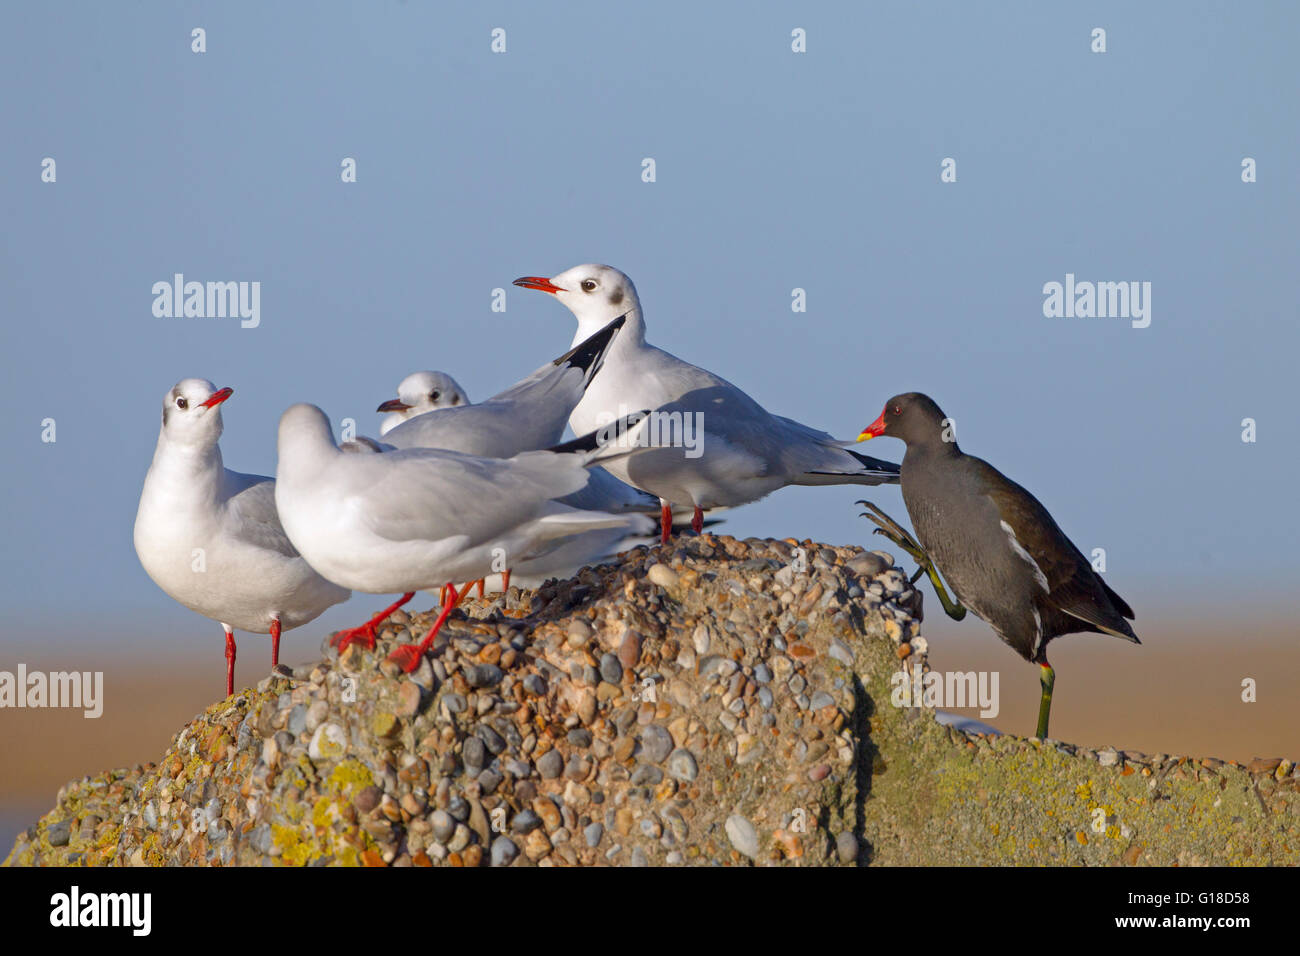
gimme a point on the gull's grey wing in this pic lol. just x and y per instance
(499, 430)
(431, 495)
(604, 492)
(529, 415)
(250, 516)
(572, 370)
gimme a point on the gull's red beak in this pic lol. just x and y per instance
(538, 283)
(219, 396)
(874, 430)
(393, 405)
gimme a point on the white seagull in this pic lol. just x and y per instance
(211, 538)
(714, 445)
(418, 393)
(528, 416)
(413, 519)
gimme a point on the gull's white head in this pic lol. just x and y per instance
(191, 413)
(304, 434)
(595, 294)
(418, 393)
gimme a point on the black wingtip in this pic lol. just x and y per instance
(598, 438)
(876, 464)
(587, 354)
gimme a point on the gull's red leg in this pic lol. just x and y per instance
(665, 521)
(505, 580)
(480, 582)
(409, 655)
(275, 641)
(230, 661)
(697, 520)
(365, 634)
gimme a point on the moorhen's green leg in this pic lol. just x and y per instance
(896, 533)
(1047, 677)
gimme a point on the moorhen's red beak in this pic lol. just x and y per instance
(219, 396)
(393, 405)
(874, 430)
(538, 283)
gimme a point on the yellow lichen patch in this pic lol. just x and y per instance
(349, 776)
(293, 850)
(294, 811)
(324, 813)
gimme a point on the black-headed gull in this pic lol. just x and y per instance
(729, 449)
(211, 538)
(413, 519)
(529, 415)
(418, 393)
(604, 492)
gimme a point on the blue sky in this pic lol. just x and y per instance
(775, 170)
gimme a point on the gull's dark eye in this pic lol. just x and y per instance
(433, 396)
(181, 403)
(588, 285)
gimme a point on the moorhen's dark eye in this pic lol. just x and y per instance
(588, 285)
(433, 396)
(181, 403)
(898, 409)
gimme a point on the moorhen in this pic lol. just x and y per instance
(1001, 552)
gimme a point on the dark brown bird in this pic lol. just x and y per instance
(1003, 555)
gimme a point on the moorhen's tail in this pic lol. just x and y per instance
(1099, 606)
(1120, 604)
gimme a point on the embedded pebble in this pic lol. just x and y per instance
(656, 743)
(504, 851)
(681, 764)
(846, 847)
(742, 835)
(550, 765)
(611, 671)
(662, 575)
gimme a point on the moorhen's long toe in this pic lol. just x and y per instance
(1002, 554)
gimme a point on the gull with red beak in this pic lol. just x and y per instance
(423, 392)
(716, 446)
(418, 393)
(530, 415)
(211, 537)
